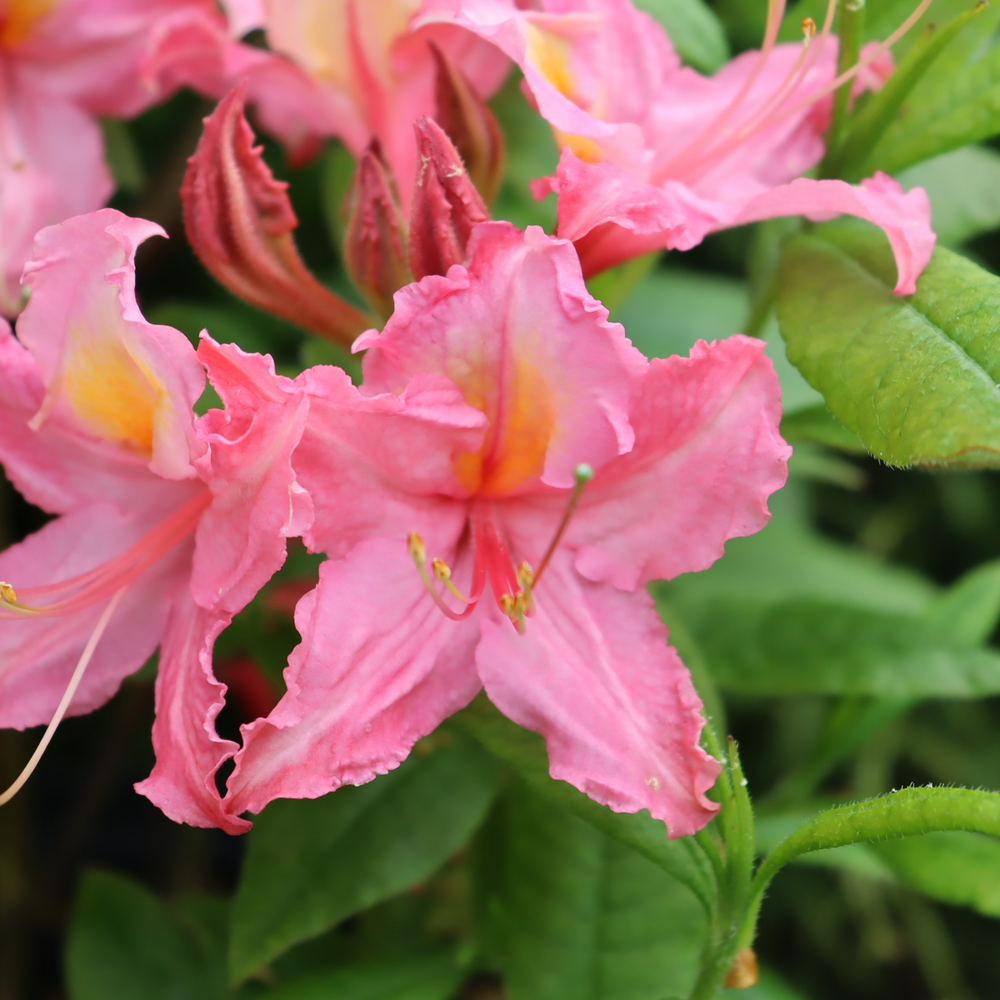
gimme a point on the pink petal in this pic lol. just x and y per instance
(590, 66)
(379, 667)
(383, 465)
(38, 655)
(520, 335)
(707, 456)
(53, 167)
(57, 469)
(613, 216)
(620, 716)
(904, 216)
(257, 502)
(110, 375)
(188, 700)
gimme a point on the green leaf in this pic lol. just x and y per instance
(903, 813)
(959, 868)
(817, 647)
(428, 977)
(311, 864)
(576, 915)
(694, 29)
(916, 377)
(964, 188)
(968, 611)
(790, 561)
(525, 752)
(127, 944)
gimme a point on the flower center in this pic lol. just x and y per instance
(513, 586)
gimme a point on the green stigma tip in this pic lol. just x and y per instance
(584, 473)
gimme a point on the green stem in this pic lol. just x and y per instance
(851, 32)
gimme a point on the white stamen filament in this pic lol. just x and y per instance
(67, 698)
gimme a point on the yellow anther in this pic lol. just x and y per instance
(418, 551)
(525, 576)
(507, 604)
(441, 570)
(808, 27)
(7, 593)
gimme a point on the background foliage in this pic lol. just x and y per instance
(850, 646)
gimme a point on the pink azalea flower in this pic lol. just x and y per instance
(165, 526)
(67, 62)
(490, 398)
(357, 70)
(655, 155)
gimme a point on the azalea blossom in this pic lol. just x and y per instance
(165, 525)
(655, 155)
(361, 71)
(65, 63)
(493, 500)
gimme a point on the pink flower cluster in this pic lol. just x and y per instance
(494, 497)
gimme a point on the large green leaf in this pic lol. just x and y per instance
(694, 29)
(778, 644)
(525, 752)
(959, 868)
(310, 864)
(574, 915)
(127, 944)
(915, 377)
(426, 977)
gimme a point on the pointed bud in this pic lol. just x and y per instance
(471, 126)
(446, 205)
(239, 221)
(375, 240)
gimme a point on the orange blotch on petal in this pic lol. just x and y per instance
(113, 393)
(18, 17)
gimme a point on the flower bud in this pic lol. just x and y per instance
(446, 204)
(375, 240)
(239, 221)
(471, 126)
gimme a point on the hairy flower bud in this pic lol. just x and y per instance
(239, 221)
(375, 241)
(446, 204)
(471, 126)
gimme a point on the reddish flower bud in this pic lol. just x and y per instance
(446, 204)
(375, 241)
(470, 125)
(239, 222)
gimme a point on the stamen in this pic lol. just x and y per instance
(721, 146)
(583, 475)
(418, 553)
(443, 572)
(876, 52)
(7, 593)
(67, 698)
